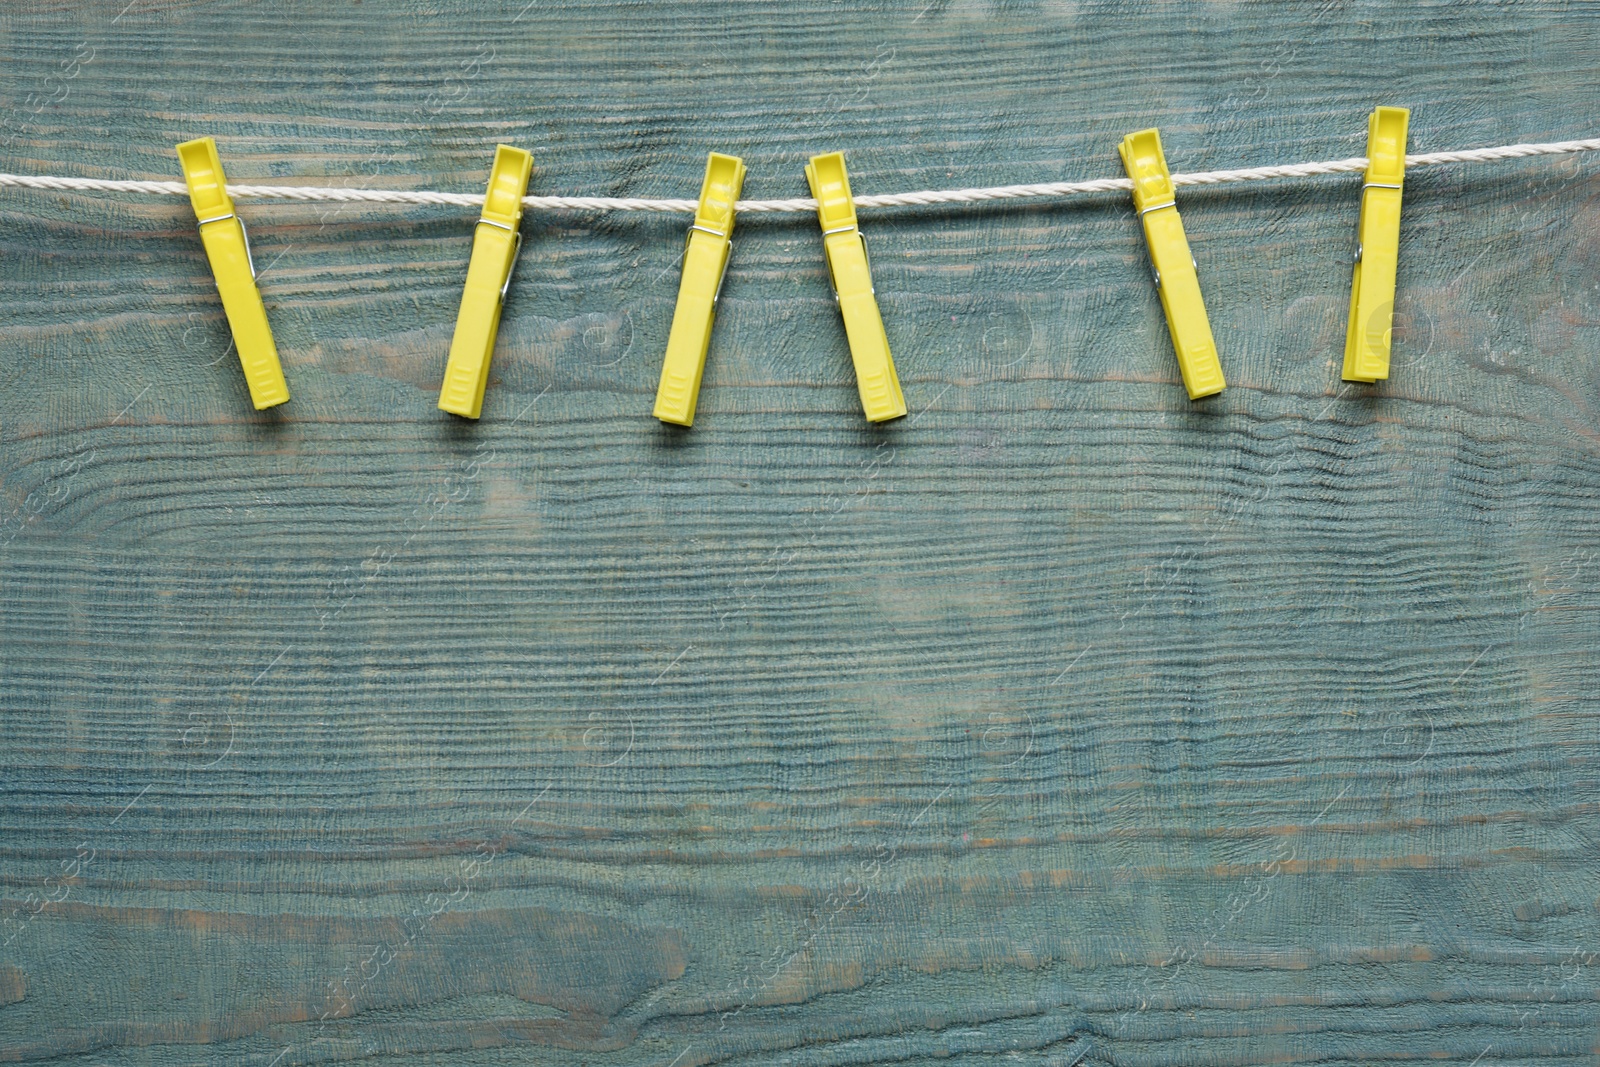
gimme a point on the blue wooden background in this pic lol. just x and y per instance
(1064, 721)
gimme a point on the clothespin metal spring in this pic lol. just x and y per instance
(248, 255)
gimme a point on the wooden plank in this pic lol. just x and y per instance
(1064, 720)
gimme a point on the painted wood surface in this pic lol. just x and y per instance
(1064, 721)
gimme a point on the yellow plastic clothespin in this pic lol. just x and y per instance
(705, 265)
(494, 254)
(227, 246)
(851, 273)
(1177, 274)
(1366, 339)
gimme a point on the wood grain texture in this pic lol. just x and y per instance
(1065, 721)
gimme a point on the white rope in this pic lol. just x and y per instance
(920, 199)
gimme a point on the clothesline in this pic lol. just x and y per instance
(497, 240)
(800, 204)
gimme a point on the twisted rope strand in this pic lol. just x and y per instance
(917, 199)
